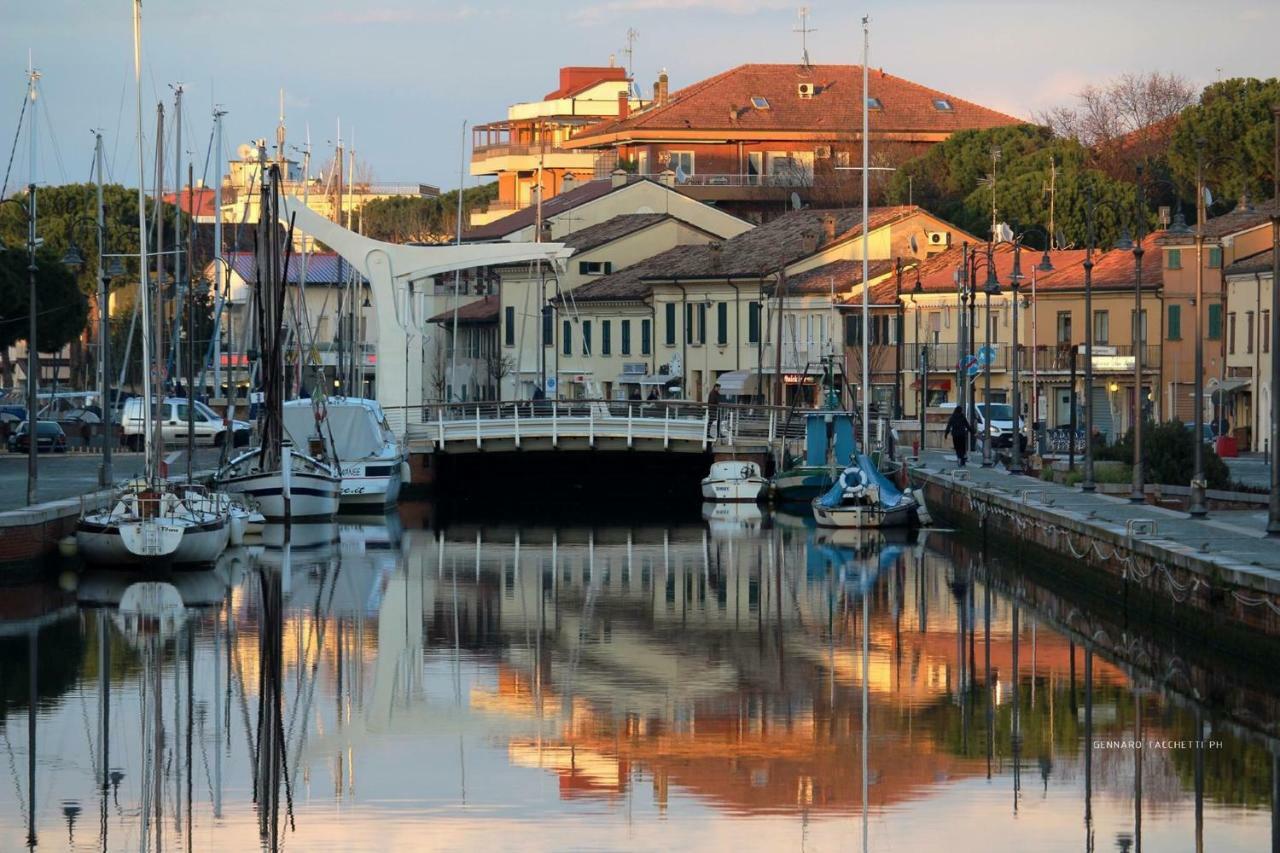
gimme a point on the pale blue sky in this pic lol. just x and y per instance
(405, 73)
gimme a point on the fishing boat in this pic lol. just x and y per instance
(828, 436)
(286, 483)
(149, 520)
(367, 453)
(863, 497)
(734, 482)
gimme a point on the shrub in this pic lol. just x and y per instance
(1168, 456)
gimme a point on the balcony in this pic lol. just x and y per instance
(945, 357)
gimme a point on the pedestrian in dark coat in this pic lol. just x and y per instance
(958, 427)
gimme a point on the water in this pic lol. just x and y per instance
(703, 684)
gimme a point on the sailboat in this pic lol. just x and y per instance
(286, 482)
(148, 520)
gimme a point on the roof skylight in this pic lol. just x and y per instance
(759, 102)
(941, 104)
(874, 104)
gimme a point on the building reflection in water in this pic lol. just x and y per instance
(748, 664)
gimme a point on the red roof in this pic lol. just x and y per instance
(937, 274)
(1114, 270)
(554, 206)
(576, 79)
(197, 202)
(725, 103)
(481, 311)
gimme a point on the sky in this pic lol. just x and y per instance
(402, 75)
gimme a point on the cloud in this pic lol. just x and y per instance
(601, 11)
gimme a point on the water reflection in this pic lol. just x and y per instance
(738, 679)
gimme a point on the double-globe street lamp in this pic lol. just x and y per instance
(990, 288)
(29, 208)
(1015, 280)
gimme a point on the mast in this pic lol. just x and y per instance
(217, 255)
(144, 287)
(158, 365)
(866, 186)
(177, 231)
(105, 474)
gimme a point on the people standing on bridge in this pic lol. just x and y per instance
(959, 428)
(713, 410)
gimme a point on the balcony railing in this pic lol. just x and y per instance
(517, 149)
(945, 357)
(783, 179)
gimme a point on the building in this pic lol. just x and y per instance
(480, 363)
(526, 152)
(1248, 383)
(749, 138)
(712, 310)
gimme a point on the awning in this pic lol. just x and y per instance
(648, 379)
(1231, 383)
(739, 383)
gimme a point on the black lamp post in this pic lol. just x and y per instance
(1139, 344)
(1273, 508)
(991, 288)
(33, 360)
(922, 363)
(1015, 281)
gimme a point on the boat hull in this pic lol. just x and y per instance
(311, 496)
(371, 483)
(151, 542)
(748, 490)
(857, 515)
(801, 485)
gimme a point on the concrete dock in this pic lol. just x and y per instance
(1221, 572)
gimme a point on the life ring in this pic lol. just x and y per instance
(745, 473)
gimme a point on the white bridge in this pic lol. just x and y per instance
(593, 425)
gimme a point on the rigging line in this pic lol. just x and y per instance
(57, 149)
(115, 145)
(17, 134)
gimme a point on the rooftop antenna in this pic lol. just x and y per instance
(804, 29)
(281, 151)
(630, 50)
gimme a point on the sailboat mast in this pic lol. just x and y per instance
(178, 281)
(219, 272)
(144, 287)
(105, 474)
(866, 187)
(157, 367)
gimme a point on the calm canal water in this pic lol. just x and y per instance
(733, 682)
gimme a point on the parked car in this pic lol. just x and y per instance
(173, 412)
(1207, 434)
(1001, 423)
(49, 437)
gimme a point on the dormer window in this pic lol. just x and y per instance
(942, 105)
(874, 104)
(760, 103)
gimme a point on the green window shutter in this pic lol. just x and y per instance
(626, 337)
(1215, 257)
(852, 330)
(606, 337)
(586, 337)
(644, 337)
(1215, 322)
(1175, 322)
(753, 322)
(722, 323)
(548, 329)
(568, 338)
(671, 324)
(1173, 259)
(509, 333)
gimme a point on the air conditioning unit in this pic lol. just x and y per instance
(804, 90)
(822, 152)
(938, 238)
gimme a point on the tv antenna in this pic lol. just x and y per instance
(804, 29)
(630, 50)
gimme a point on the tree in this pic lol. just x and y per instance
(414, 219)
(61, 306)
(1125, 122)
(953, 180)
(1234, 119)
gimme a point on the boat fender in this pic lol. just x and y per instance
(922, 512)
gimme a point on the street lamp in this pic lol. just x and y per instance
(1015, 279)
(991, 288)
(922, 360)
(1137, 495)
(1273, 509)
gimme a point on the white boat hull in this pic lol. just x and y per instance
(153, 541)
(856, 515)
(371, 483)
(749, 490)
(308, 491)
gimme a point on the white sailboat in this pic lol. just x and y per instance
(367, 453)
(149, 521)
(286, 482)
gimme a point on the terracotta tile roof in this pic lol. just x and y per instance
(523, 218)
(937, 274)
(1233, 222)
(724, 102)
(483, 310)
(840, 276)
(1259, 262)
(575, 79)
(1112, 270)
(197, 202)
(595, 236)
(629, 284)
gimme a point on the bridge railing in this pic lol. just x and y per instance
(728, 422)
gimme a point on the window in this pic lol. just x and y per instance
(626, 337)
(1175, 323)
(680, 162)
(1173, 259)
(1265, 334)
(688, 323)
(595, 267)
(759, 102)
(942, 104)
(843, 160)
(606, 337)
(1215, 257)
(1064, 327)
(671, 324)
(1215, 322)
(1142, 332)
(1101, 327)
(853, 330)
(509, 324)
(1248, 332)
(1231, 332)
(874, 104)
(548, 330)
(644, 337)
(586, 337)
(702, 322)
(753, 322)
(568, 338)
(722, 323)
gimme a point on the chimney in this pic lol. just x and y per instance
(715, 247)
(667, 178)
(624, 105)
(809, 242)
(828, 229)
(619, 177)
(660, 88)
(568, 182)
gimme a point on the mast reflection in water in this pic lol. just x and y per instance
(738, 681)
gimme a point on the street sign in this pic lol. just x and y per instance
(969, 365)
(551, 385)
(986, 356)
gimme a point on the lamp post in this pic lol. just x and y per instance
(33, 362)
(1090, 211)
(1139, 341)
(922, 363)
(1273, 509)
(1015, 280)
(1196, 505)
(991, 288)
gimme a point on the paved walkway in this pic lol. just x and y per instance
(1251, 469)
(67, 475)
(1238, 535)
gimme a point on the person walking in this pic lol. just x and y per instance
(713, 410)
(958, 427)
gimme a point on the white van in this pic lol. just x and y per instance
(209, 427)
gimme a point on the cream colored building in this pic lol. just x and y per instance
(1249, 382)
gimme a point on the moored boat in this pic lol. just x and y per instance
(368, 457)
(863, 497)
(734, 481)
